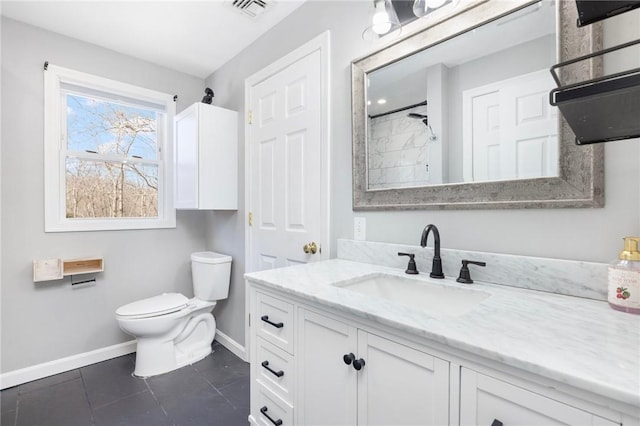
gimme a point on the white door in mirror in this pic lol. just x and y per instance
(510, 130)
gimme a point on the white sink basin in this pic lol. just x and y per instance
(418, 293)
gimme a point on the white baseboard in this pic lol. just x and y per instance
(24, 375)
(40, 371)
(236, 348)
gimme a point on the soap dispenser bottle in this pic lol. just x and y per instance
(624, 278)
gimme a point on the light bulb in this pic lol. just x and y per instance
(380, 21)
(383, 21)
(422, 8)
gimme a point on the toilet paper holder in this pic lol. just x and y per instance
(56, 269)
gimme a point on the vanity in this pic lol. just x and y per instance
(355, 340)
(346, 342)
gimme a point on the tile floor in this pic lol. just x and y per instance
(212, 392)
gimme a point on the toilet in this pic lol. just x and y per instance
(172, 330)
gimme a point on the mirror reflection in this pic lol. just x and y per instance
(473, 108)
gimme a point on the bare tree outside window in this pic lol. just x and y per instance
(111, 163)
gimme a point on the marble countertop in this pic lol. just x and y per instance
(581, 342)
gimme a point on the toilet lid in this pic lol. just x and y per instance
(210, 257)
(157, 305)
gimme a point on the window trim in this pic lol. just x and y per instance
(54, 155)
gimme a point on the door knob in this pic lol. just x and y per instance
(310, 248)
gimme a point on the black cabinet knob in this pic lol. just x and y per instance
(496, 422)
(358, 364)
(348, 358)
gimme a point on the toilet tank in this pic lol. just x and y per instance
(211, 273)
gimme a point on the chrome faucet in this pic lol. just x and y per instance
(436, 267)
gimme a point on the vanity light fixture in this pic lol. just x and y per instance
(383, 21)
(422, 8)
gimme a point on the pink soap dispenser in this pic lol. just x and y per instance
(624, 278)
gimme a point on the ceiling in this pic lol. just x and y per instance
(194, 37)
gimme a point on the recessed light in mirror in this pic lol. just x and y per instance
(382, 101)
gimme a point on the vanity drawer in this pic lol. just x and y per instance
(275, 322)
(485, 399)
(275, 369)
(271, 410)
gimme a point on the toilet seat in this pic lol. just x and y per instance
(163, 304)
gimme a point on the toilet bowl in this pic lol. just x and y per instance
(172, 330)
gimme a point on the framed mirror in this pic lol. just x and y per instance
(456, 116)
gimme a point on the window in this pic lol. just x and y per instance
(108, 154)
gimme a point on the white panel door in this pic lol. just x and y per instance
(530, 129)
(510, 130)
(286, 166)
(485, 125)
(186, 159)
(326, 386)
(400, 385)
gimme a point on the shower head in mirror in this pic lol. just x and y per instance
(425, 121)
(424, 118)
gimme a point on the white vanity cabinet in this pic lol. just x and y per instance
(311, 358)
(206, 158)
(485, 400)
(302, 373)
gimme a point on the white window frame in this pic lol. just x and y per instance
(55, 153)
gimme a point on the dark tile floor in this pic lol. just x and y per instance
(212, 392)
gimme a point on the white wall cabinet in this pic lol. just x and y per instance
(308, 382)
(206, 158)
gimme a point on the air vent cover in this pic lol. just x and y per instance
(252, 8)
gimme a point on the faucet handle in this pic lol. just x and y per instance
(465, 275)
(411, 267)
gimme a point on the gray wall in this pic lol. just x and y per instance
(50, 320)
(346, 21)
(580, 234)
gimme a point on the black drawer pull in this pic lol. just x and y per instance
(265, 318)
(280, 373)
(496, 422)
(263, 410)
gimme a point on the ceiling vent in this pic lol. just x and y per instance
(252, 8)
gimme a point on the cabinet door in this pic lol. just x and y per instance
(400, 385)
(327, 387)
(186, 159)
(484, 399)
